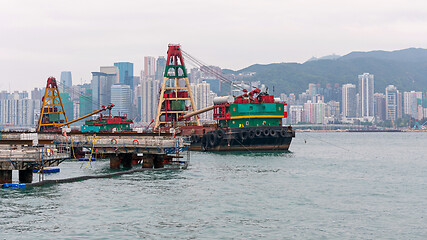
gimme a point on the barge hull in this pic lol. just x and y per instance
(244, 139)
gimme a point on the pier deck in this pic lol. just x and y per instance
(27, 151)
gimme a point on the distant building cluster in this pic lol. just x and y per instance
(18, 109)
(350, 103)
(134, 96)
(137, 97)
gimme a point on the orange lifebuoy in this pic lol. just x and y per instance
(113, 141)
(135, 141)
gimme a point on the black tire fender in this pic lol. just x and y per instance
(212, 139)
(283, 133)
(266, 132)
(273, 133)
(251, 134)
(220, 133)
(243, 135)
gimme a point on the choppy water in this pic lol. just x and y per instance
(331, 186)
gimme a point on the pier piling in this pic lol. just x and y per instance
(5, 176)
(159, 161)
(148, 161)
(126, 160)
(115, 161)
(26, 176)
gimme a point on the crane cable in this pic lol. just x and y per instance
(199, 63)
(79, 94)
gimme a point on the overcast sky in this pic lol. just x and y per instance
(40, 38)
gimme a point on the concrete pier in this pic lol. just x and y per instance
(26, 151)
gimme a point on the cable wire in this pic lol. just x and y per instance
(206, 67)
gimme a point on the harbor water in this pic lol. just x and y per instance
(329, 186)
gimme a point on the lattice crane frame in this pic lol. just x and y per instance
(175, 70)
(52, 103)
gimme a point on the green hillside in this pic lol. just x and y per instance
(406, 69)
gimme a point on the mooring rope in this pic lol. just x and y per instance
(337, 146)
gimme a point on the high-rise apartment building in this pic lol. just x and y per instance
(314, 112)
(112, 71)
(147, 98)
(312, 89)
(399, 105)
(332, 110)
(149, 67)
(296, 114)
(19, 111)
(317, 98)
(160, 67)
(411, 100)
(392, 102)
(195, 75)
(85, 104)
(380, 107)
(211, 75)
(36, 94)
(66, 81)
(349, 101)
(101, 86)
(121, 98)
(125, 73)
(203, 97)
(366, 95)
(68, 105)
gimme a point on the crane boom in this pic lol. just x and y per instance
(189, 115)
(109, 107)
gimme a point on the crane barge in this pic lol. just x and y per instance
(249, 122)
(52, 108)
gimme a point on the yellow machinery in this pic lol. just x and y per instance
(52, 108)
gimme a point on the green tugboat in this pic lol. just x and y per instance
(253, 121)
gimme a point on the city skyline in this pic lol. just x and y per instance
(77, 36)
(318, 104)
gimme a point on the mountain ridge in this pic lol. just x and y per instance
(406, 69)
